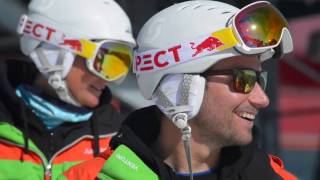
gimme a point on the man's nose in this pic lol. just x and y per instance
(258, 98)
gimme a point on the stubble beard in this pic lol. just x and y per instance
(215, 126)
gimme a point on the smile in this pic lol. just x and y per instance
(247, 115)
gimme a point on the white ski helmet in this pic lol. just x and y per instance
(186, 21)
(180, 24)
(177, 24)
(85, 19)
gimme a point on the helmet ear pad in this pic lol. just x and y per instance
(171, 87)
(54, 64)
(51, 54)
(28, 44)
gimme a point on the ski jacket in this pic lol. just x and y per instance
(28, 150)
(131, 158)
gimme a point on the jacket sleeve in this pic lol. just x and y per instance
(278, 166)
(87, 170)
(121, 163)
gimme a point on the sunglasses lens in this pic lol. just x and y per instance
(260, 25)
(245, 80)
(113, 61)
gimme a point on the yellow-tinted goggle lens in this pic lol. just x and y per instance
(113, 61)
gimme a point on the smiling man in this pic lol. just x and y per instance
(200, 62)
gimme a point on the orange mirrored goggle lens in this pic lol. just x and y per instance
(260, 25)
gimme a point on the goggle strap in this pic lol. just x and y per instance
(159, 59)
(227, 37)
(42, 32)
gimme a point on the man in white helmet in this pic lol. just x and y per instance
(200, 62)
(56, 111)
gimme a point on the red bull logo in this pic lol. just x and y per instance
(208, 44)
(73, 43)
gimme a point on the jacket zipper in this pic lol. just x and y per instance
(48, 172)
(48, 165)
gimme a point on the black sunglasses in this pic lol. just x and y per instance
(243, 79)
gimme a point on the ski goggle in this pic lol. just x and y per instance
(243, 80)
(112, 60)
(255, 29)
(108, 59)
(259, 26)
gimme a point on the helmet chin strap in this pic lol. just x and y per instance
(178, 114)
(55, 76)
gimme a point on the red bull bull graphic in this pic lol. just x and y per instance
(208, 44)
(74, 44)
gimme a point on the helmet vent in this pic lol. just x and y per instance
(184, 7)
(226, 12)
(192, 6)
(212, 8)
(198, 6)
(106, 2)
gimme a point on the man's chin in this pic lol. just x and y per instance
(245, 141)
(91, 103)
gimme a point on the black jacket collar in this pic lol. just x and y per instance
(141, 128)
